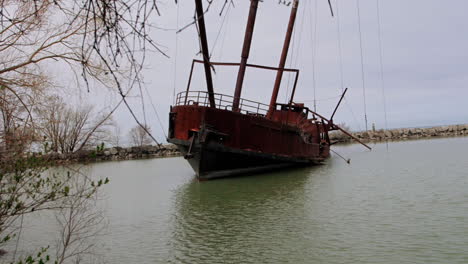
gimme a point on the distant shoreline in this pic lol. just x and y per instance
(170, 150)
(116, 154)
(403, 133)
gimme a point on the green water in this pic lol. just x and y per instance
(402, 203)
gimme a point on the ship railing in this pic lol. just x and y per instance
(222, 101)
(308, 114)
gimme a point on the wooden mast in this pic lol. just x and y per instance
(205, 51)
(284, 55)
(245, 53)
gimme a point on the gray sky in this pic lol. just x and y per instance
(425, 59)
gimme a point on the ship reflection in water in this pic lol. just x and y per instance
(391, 206)
(235, 218)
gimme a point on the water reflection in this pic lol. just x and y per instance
(220, 220)
(388, 206)
(407, 203)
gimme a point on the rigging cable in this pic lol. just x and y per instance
(220, 30)
(340, 53)
(296, 49)
(143, 108)
(143, 105)
(362, 63)
(382, 79)
(155, 112)
(223, 40)
(175, 59)
(290, 57)
(314, 49)
(300, 44)
(324, 99)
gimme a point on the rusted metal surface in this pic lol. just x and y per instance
(293, 131)
(249, 65)
(190, 78)
(294, 88)
(332, 126)
(284, 55)
(245, 53)
(223, 101)
(296, 71)
(204, 50)
(214, 160)
(248, 132)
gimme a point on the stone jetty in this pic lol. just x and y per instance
(117, 153)
(404, 133)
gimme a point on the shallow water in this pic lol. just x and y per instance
(403, 202)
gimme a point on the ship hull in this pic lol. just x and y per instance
(211, 161)
(219, 143)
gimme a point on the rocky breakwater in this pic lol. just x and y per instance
(118, 153)
(404, 133)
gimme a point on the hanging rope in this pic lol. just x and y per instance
(295, 51)
(340, 54)
(382, 79)
(156, 112)
(220, 29)
(323, 99)
(314, 49)
(143, 106)
(224, 38)
(300, 43)
(362, 63)
(175, 59)
(338, 32)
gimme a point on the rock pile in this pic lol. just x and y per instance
(406, 133)
(118, 153)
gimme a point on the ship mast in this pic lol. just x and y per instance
(204, 51)
(284, 55)
(245, 53)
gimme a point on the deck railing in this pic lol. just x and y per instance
(222, 101)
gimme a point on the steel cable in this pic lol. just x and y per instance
(362, 63)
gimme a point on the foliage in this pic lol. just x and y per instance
(17, 124)
(80, 223)
(28, 185)
(70, 129)
(139, 136)
(40, 258)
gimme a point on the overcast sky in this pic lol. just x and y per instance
(425, 59)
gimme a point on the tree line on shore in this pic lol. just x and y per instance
(44, 123)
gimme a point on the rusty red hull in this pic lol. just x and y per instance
(221, 143)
